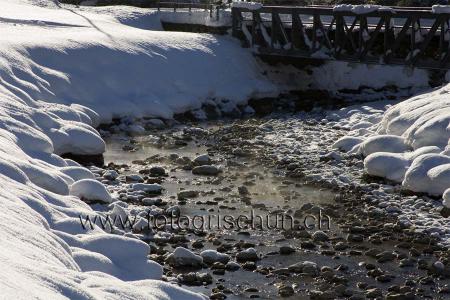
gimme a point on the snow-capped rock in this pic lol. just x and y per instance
(90, 190)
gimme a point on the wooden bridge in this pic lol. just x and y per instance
(416, 37)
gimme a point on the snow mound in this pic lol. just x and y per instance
(406, 144)
(417, 177)
(347, 143)
(77, 173)
(385, 143)
(106, 251)
(90, 190)
(446, 198)
(392, 166)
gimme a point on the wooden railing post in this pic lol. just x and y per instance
(297, 31)
(316, 18)
(386, 37)
(235, 22)
(338, 35)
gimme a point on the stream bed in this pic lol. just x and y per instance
(330, 247)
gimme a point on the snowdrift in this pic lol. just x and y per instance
(410, 144)
(103, 57)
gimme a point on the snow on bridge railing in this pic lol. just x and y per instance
(418, 37)
(176, 5)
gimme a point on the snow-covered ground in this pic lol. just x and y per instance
(409, 144)
(63, 70)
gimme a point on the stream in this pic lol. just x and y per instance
(342, 261)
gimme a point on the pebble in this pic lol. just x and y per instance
(157, 171)
(320, 236)
(286, 250)
(285, 290)
(206, 170)
(110, 175)
(202, 160)
(183, 257)
(187, 194)
(247, 255)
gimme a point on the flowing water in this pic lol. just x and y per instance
(267, 192)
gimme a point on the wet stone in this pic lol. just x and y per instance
(320, 236)
(157, 171)
(357, 238)
(247, 255)
(385, 256)
(206, 170)
(187, 194)
(374, 293)
(232, 266)
(195, 278)
(285, 290)
(286, 250)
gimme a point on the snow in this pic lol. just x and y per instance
(440, 9)
(77, 173)
(183, 257)
(409, 145)
(347, 143)
(422, 176)
(360, 9)
(128, 265)
(199, 17)
(337, 75)
(126, 45)
(247, 5)
(147, 187)
(385, 143)
(392, 166)
(90, 190)
(446, 198)
(212, 256)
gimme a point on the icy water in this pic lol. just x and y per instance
(267, 191)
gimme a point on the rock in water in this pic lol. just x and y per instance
(110, 175)
(157, 171)
(187, 194)
(212, 256)
(285, 291)
(247, 255)
(183, 257)
(153, 188)
(206, 170)
(202, 160)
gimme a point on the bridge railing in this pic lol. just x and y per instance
(416, 37)
(210, 6)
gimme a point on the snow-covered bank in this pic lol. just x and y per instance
(57, 54)
(409, 145)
